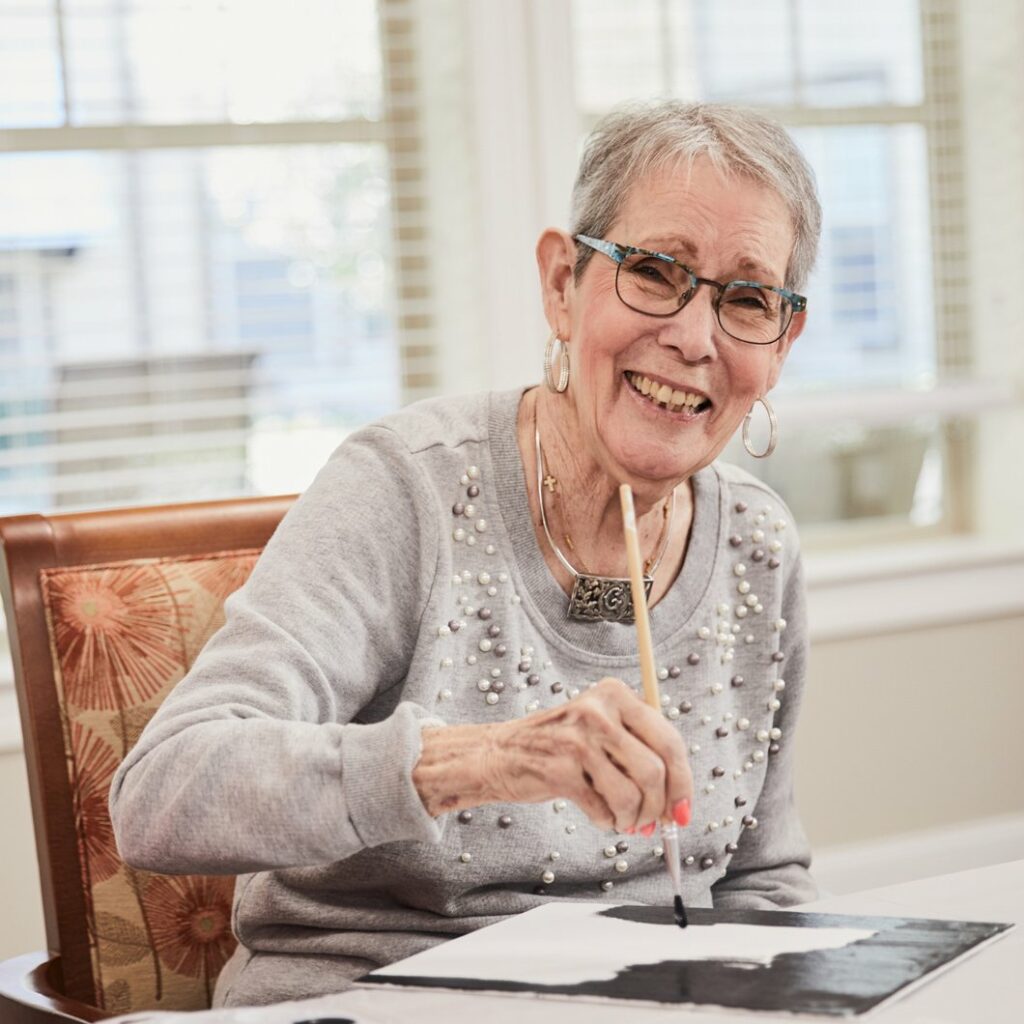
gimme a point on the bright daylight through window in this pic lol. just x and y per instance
(181, 314)
(856, 100)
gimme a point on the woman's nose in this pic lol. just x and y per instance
(693, 328)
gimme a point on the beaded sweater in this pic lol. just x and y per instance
(406, 588)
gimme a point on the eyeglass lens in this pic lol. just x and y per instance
(747, 313)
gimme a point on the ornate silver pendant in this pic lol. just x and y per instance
(597, 598)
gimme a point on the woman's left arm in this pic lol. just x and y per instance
(771, 867)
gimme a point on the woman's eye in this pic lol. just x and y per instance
(651, 271)
(749, 299)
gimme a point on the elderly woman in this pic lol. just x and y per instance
(422, 712)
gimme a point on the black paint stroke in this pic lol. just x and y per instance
(839, 982)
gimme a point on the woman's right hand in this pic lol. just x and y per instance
(607, 751)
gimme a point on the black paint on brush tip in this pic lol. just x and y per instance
(680, 911)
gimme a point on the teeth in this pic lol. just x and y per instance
(675, 401)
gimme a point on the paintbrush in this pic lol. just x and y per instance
(669, 832)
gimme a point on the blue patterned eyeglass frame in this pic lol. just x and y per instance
(618, 253)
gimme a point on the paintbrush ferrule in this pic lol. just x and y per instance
(670, 844)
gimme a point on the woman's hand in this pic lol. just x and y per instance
(609, 753)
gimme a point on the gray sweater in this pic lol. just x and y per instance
(285, 755)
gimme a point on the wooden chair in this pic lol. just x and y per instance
(106, 611)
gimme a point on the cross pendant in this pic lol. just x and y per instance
(550, 483)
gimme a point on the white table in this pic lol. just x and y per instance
(987, 988)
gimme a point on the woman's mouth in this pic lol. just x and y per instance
(667, 398)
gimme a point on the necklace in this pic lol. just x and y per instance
(596, 598)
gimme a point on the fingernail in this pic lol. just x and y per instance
(648, 830)
(630, 831)
(681, 812)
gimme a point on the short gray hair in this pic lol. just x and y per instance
(633, 140)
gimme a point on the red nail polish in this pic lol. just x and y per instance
(630, 831)
(681, 812)
(648, 830)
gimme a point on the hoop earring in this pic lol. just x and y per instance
(556, 364)
(773, 431)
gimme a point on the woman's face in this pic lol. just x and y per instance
(722, 230)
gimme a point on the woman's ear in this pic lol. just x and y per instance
(782, 347)
(556, 257)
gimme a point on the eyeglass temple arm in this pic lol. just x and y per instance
(608, 248)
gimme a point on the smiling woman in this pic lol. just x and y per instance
(663, 374)
(400, 732)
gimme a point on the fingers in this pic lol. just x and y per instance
(616, 758)
(587, 798)
(615, 787)
(635, 781)
(637, 761)
(667, 745)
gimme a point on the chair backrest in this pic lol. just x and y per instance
(106, 612)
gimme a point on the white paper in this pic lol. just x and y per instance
(571, 943)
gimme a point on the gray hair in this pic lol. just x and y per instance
(642, 137)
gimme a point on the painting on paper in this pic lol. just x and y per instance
(819, 964)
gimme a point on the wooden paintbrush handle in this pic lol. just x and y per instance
(636, 585)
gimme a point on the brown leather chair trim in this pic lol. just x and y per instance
(30, 993)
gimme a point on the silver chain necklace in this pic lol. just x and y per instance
(597, 598)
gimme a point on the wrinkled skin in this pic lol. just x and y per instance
(617, 759)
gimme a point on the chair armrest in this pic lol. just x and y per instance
(30, 994)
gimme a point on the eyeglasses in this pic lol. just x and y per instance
(659, 285)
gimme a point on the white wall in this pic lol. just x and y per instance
(21, 916)
(912, 731)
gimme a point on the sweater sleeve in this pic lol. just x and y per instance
(771, 867)
(254, 761)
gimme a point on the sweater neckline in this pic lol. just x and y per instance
(541, 594)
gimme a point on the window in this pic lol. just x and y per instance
(212, 243)
(198, 291)
(866, 94)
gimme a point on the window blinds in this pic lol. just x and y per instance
(213, 243)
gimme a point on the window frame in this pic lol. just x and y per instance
(407, 50)
(940, 115)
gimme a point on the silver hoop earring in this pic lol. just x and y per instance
(556, 364)
(773, 431)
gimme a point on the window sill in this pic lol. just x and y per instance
(892, 588)
(879, 406)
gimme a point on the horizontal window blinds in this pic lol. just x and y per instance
(214, 245)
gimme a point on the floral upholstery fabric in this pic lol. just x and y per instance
(121, 636)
